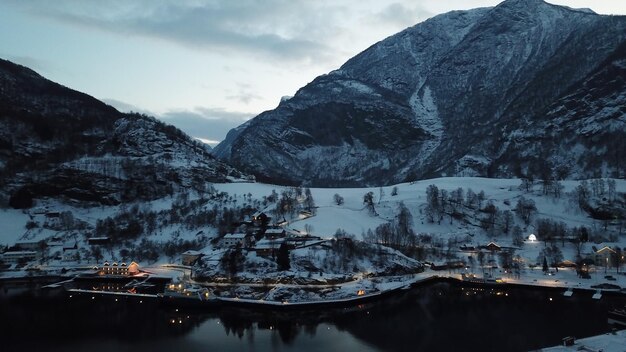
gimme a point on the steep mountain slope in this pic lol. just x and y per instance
(58, 142)
(584, 130)
(449, 96)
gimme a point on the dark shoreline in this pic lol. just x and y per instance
(34, 286)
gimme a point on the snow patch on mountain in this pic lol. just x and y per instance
(426, 114)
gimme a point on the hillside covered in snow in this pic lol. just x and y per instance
(59, 143)
(326, 235)
(525, 88)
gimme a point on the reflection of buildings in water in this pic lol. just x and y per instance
(108, 286)
(64, 319)
(181, 323)
(284, 326)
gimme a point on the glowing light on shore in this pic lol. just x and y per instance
(532, 237)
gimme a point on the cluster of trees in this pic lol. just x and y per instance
(551, 255)
(453, 203)
(548, 230)
(291, 201)
(131, 223)
(397, 233)
(338, 199)
(525, 209)
(368, 200)
(458, 204)
(232, 262)
(548, 174)
(597, 189)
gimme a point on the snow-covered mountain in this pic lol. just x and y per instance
(512, 90)
(58, 142)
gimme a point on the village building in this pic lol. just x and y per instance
(121, 269)
(604, 257)
(236, 239)
(98, 241)
(70, 252)
(28, 245)
(268, 247)
(492, 246)
(190, 257)
(53, 219)
(16, 257)
(260, 219)
(274, 233)
(303, 241)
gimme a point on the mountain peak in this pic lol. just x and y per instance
(523, 3)
(106, 157)
(454, 95)
(535, 5)
(529, 6)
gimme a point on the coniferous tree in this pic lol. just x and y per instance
(282, 258)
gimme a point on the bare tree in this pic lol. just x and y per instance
(338, 199)
(368, 200)
(525, 208)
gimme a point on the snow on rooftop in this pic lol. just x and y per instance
(610, 342)
(235, 236)
(268, 244)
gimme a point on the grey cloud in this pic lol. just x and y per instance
(271, 27)
(126, 107)
(403, 15)
(244, 94)
(201, 122)
(244, 97)
(205, 123)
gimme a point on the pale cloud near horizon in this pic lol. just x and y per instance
(208, 125)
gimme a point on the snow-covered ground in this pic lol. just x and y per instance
(352, 216)
(12, 225)
(609, 342)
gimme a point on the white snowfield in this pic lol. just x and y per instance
(354, 218)
(609, 342)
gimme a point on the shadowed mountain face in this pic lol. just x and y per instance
(513, 90)
(56, 142)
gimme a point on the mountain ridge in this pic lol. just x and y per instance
(58, 142)
(444, 97)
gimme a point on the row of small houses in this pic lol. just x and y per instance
(29, 251)
(272, 240)
(247, 239)
(266, 247)
(600, 255)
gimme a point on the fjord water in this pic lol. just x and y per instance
(437, 317)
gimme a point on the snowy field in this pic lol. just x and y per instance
(353, 216)
(609, 342)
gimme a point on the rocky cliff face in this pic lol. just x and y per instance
(463, 93)
(57, 142)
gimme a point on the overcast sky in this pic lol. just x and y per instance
(221, 60)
